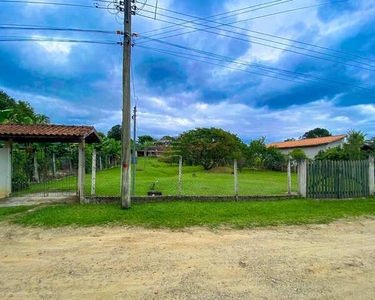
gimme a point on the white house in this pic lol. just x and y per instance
(311, 147)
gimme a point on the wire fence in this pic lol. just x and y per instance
(154, 178)
(40, 172)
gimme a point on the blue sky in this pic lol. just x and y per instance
(328, 78)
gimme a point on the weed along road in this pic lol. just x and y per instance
(333, 261)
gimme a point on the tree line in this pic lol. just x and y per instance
(208, 147)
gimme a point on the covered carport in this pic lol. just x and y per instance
(19, 133)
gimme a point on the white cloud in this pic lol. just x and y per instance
(249, 122)
(57, 48)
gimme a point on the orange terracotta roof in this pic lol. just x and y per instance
(307, 142)
(47, 133)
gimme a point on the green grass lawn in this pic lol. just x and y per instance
(195, 181)
(213, 214)
(7, 211)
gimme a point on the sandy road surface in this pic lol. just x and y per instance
(334, 261)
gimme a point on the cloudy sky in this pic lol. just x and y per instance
(279, 69)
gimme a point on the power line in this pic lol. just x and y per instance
(211, 55)
(225, 14)
(133, 84)
(239, 21)
(48, 28)
(262, 33)
(192, 57)
(45, 39)
(52, 3)
(270, 46)
(271, 41)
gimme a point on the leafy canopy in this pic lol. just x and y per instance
(20, 112)
(315, 133)
(115, 133)
(260, 156)
(209, 147)
(145, 139)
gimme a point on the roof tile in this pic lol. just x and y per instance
(42, 130)
(45, 131)
(307, 142)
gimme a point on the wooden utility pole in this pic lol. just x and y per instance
(125, 142)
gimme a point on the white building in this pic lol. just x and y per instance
(311, 147)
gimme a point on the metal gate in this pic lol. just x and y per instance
(44, 171)
(338, 179)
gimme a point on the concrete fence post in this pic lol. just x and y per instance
(6, 170)
(235, 172)
(93, 172)
(81, 171)
(100, 163)
(302, 178)
(54, 165)
(371, 175)
(289, 174)
(180, 176)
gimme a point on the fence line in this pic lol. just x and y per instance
(176, 179)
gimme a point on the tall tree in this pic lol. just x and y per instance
(315, 133)
(208, 147)
(20, 112)
(166, 141)
(145, 138)
(256, 152)
(115, 133)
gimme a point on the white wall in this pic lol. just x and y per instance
(311, 152)
(5, 172)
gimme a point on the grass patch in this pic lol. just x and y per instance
(6, 211)
(187, 214)
(195, 181)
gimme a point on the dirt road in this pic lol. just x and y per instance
(334, 261)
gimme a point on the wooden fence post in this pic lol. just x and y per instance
(180, 176)
(235, 171)
(93, 172)
(371, 175)
(302, 177)
(289, 177)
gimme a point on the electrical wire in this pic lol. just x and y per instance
(59, 40)
(224, 15)
(264, 34)
(143, 5)
(193, 58)
(52, 3)
(238, 21)
(133, 84)
(271, 46)
(211, 55)
(272, 41)
(49, 28)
